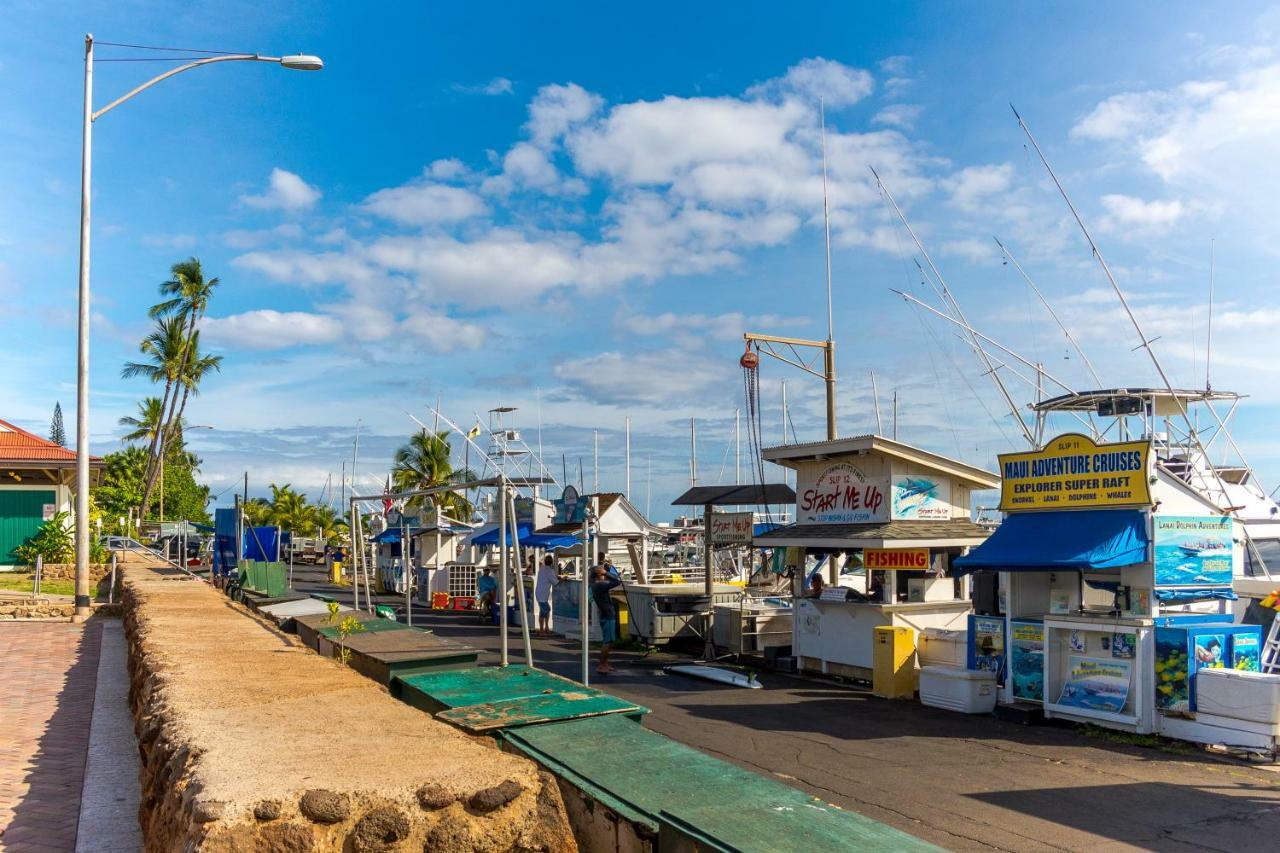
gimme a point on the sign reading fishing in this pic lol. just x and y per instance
(839, 494)
(1073, 471)
(908, 559)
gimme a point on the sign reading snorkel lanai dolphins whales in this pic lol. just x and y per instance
(1072, 471)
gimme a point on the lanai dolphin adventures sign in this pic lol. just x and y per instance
(1074, 472)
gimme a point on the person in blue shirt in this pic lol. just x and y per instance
(601, 584)
(487, 591)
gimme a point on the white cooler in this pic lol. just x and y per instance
(955, 688)
(941, 647)
(1235, 694)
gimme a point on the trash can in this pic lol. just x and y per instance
(893, 662)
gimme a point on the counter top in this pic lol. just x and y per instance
(1095, 621)
(958, 605)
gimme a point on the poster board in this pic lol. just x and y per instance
(1097, 684)
(732, 528)
(920, 497)
(1193, 551)
(986, 645)
(1026, 659)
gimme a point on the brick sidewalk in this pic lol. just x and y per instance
(49, 674)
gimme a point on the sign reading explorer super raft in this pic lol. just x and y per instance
(1074, 472)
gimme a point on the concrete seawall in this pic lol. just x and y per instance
(251, 742)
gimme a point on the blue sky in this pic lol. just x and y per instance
(587, 205)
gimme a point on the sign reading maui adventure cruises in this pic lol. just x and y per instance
(1074, 472)
(903, 559)
(840, 494)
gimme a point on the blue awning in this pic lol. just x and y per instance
(1061, 540)
(391, 536)
(528, 538)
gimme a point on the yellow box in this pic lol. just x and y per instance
(893, 662)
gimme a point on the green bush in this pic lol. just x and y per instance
(55, 542)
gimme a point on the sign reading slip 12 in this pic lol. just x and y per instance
(1073, 472)
(902, 559)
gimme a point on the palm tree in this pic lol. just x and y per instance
(166, 349)
(193, 372)
(424, 463)
(189, 294)
(146, 424)
(289, 510)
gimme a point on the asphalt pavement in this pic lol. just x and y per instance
(962, 782)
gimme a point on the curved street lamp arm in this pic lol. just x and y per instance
(249, 57)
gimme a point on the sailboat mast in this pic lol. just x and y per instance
(875, 398)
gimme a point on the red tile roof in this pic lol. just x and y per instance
(18, 445)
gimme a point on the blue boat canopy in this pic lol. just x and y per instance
(1059, 540)
(528, 538)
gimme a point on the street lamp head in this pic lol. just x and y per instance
(302, 62)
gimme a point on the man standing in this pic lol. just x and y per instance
(487, 592)
(546, 578)
(601, 585)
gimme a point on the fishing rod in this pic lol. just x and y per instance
(955, 306)
(1045, 302)
(1146, 344)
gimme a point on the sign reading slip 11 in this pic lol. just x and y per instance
(1074, 472)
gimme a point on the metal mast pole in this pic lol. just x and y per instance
(503, 566)
(584, 597)
(627, 487)
(82, 603)
(829, 354)
(875, 397)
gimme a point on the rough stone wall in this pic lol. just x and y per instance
(35, 608)
(251, 742)
(67, 571)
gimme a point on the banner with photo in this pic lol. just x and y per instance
(1193, 550)
(1099, 684)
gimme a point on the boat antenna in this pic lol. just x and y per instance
(875, 397)
(1054, 314)
(1208, 344)
(955, 306)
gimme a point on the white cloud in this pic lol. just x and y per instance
(425, 203)
(285, 191)
(1202, 136)
(1127, 212)
(241, 238)
(496, 86)
(836, 84)
(974, 184)
(645, 378)
(556, 108)
(693, 330)
(268, 330)
(902, 116)
(971, 249)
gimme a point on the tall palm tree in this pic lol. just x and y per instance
(193, 372)
(424, 463)
(147, 424)
(189, 294)
(166, 351)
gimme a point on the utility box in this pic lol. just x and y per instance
(893, 662)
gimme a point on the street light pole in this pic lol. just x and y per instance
(82, 350)
(295, 62)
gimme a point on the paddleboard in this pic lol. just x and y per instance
(711, 673)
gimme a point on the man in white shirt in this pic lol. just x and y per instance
(546, 577)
